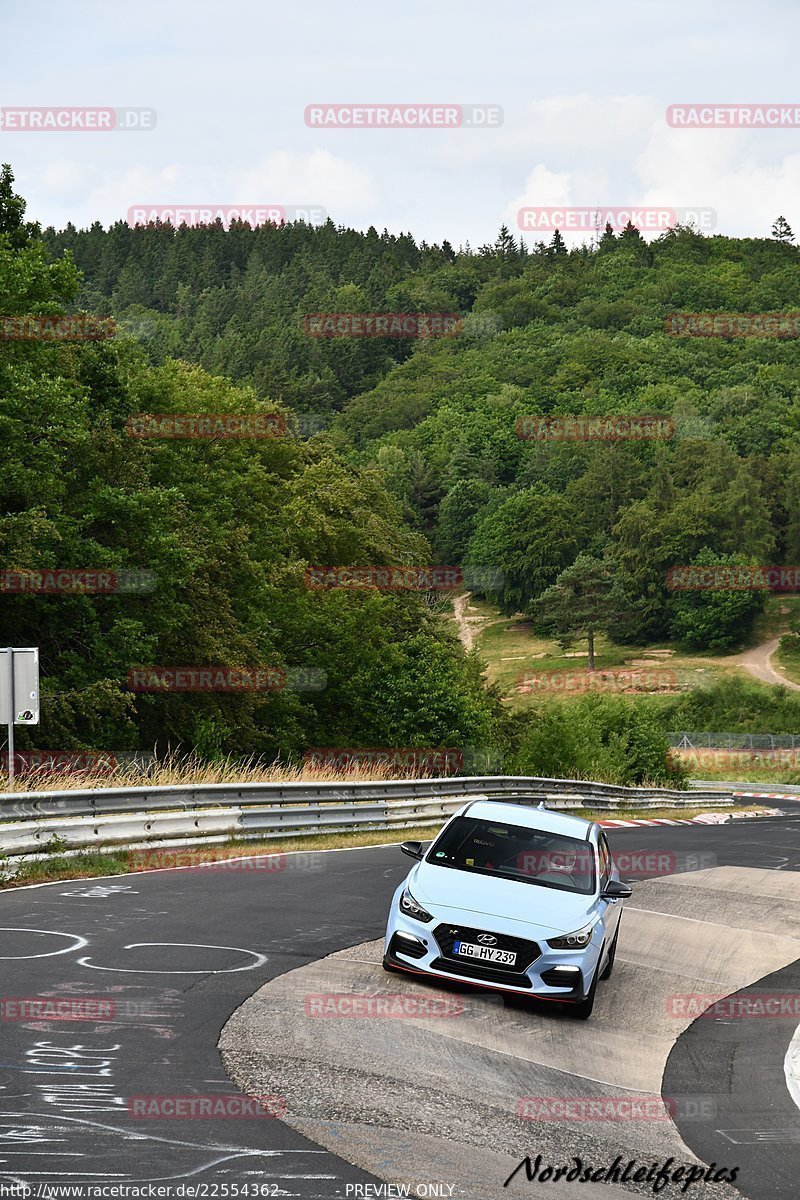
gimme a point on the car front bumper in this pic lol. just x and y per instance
(556, 975)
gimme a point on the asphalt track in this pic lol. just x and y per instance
(177, 952)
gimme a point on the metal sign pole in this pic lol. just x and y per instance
(22, 664)
(10, 653)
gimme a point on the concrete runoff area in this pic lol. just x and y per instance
(427, 1099)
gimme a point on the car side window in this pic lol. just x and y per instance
(605, 860)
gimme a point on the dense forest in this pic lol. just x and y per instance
(420, 458)
(227, 530)
(546, 331)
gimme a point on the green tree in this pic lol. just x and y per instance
(782, 230)
(607, 738)
(526, 542)
(714, 618)
(458, 515)
(12, 211)
(607, 241)
(581, 603)
(557, 246)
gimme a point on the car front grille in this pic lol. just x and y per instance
(526, 951)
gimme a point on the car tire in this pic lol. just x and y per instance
(582, 1011)
(609, 967)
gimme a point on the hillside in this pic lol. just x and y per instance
(441, 428)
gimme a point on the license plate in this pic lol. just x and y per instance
(487, 953)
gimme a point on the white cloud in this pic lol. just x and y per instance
(584, 112)
(737, 173)
(316, 178)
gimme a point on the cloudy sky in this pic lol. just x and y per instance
(584, 90)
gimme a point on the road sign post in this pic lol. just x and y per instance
(19, 692)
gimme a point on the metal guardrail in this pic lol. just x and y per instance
(739, 788)
(105, 818)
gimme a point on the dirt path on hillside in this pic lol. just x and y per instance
(470, 627)
(758, 663)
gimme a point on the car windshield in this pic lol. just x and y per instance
(515, 852)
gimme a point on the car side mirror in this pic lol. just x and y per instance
(615, 889)
(412, 849)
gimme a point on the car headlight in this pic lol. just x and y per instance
(572, 941)
(409, 906)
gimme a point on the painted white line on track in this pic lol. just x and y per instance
(260, 960)
(136, 1136)
(78, 943)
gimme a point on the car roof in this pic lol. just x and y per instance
(530, 816)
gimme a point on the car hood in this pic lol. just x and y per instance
(546, 908)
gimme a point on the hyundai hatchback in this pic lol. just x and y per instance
(513, 898)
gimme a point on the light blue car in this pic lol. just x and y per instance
(513, 898)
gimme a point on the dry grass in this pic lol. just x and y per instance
(188, 769)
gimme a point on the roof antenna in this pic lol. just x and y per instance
(541, 804)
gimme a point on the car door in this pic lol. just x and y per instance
(612, 909)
